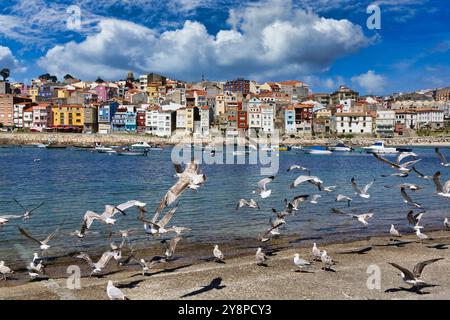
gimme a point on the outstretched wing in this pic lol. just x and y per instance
(25, 233)
(392, 164)
(165, 220)
(86, 258)
(418, 268)
(262, 184)
(441, 156)
(355, 186)
(437, 182)
(408, 274)
(368, 186)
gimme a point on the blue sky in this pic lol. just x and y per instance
(322, 42)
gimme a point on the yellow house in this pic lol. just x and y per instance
(68, 116)
(33, 93)
(153, 92)
(63, 93)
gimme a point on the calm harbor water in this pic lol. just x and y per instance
(72, 181)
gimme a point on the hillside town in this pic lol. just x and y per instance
(155, 105)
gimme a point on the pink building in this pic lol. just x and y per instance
(42, 117)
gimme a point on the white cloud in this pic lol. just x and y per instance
(267, 39)
(7, 60)
(371, 82)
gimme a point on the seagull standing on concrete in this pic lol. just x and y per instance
(394, 232)
(446, 224)
(4, 270)
(260, 257)
(316, 252)
(301, 263)
(327, 261)
(114, 293)
(218, 254)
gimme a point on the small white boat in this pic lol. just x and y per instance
(40, 145)
(340, 147)
(102, 149)
(317, 150)
(379, 147)
(296, 147)
(140, 146)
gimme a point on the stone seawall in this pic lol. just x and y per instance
(73, 139)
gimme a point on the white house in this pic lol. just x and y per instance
(267, 118)
(406, 117)
(431, 118)
(353, 123)
(385, 122)
(254, 117)
(159, 122)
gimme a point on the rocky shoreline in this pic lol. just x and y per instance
(87, 140)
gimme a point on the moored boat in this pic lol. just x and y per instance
(132, 153)
(140, 146)
(317, 150)
(379, 147)
(340, 147)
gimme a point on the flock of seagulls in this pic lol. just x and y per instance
(192, 178)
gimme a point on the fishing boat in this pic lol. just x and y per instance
(379, 147)
(340, 147)
(317, 150)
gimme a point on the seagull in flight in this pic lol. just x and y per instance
(98, 266)
(298, 167)
(341, 197)
(421, 175)
(26, 212)
(441, 191)
(403, 168)
(311, 179)
(363, 218)
(362, 192)
(43, 245)
(405, 155)
(107, 216)
(295, 203)
(413, 277)
(156, 228)
(444, 162)
(414, 219)
(190, 177)
(251, 204)
(261, 187)
(315, 198)
(170, 246)
(407, 199)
